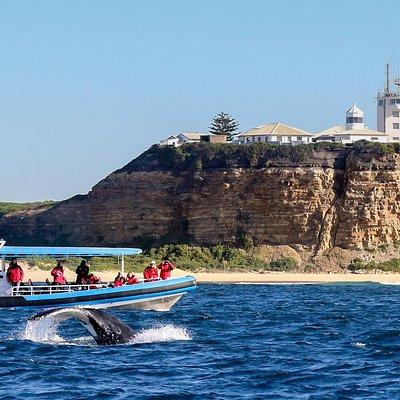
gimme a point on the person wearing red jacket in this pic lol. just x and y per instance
(119, 280)
(150, 273)
(58, 274)
(93, 280)
(131, 279)
(166, 267)
(15, 274)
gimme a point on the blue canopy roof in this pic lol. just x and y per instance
(22, 251)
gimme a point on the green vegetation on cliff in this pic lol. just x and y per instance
(392, 265)
(8, 207)
(199, 156)
(203, 156)
(190, 258)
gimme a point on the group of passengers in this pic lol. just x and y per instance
(150, 273)
(15, 274)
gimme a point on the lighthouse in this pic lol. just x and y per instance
(354, 118)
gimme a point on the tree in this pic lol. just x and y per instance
(224, 124)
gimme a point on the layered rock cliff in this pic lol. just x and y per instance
(311, 197)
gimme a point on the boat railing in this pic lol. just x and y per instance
(53, 289)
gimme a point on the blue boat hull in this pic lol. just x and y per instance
(149, 295)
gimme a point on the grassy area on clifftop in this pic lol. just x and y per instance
(199, 156)
(205, 156)
(190, 258)
(9, 207)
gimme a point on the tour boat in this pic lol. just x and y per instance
(159, 295)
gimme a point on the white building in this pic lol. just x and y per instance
(181, 138)
(192, 137)
(277, 133)
(353, 135)
(353, 130)
(170, 141)
(388, 108)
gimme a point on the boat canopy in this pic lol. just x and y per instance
(22, 251)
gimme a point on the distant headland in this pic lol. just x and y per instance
(324, 205)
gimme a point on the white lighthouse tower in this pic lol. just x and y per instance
(354, 118)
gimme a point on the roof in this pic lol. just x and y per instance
(334, 130)
(192, 135)
(354, 110)
(22, 251)
(275, 129)
(363, 132)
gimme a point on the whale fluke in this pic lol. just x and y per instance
(105, 328)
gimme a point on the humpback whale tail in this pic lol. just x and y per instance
(105, 328)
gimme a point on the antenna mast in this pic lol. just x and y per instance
(387, 89)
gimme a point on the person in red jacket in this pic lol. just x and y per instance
(150, 273)
(166, 267)
(93, 280)
(119, 280)
(58, 274)
(15, 274)
(131, 279)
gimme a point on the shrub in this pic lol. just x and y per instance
(245, 241)
(283, 264)
(392, 265)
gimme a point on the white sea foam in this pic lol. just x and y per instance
(161, 333)
(359, 344)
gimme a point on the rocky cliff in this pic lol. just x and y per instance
(312, 197)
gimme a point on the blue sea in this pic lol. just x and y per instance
(219, 342)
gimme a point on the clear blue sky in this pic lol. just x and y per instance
(85, 86)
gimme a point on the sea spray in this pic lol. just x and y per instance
(161, 333)
(43, 330)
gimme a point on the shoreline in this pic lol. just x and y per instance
(296, 278)
(244, 277)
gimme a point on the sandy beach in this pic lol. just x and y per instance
(243, 277)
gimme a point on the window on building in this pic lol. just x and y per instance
(394, 101)
(396, 113)
(396, 125)
(374, 139)
(354, 120)
(248, 139)
(289, 139)
(380, 102)
(259, 138)
(396, 138)
(299, 138)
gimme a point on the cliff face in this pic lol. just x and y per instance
(327, 198)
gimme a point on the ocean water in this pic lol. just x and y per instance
(219, 342)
